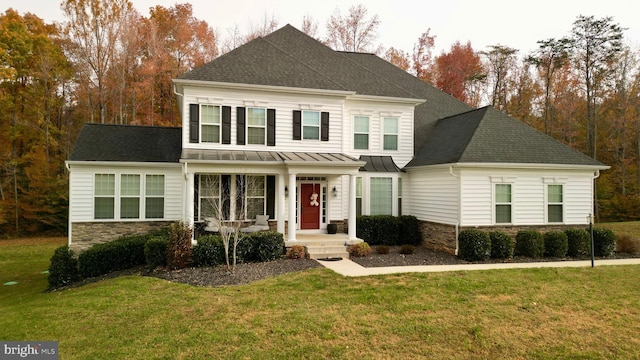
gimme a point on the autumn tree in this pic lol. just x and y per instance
(262, 27)
(354, 32)
(551, 55)
(595, 43)
(309, 26)
(500, 62)
(423, 57)
(398, 58)
(460, 72)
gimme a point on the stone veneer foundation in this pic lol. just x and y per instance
(86, 234)
(443, 237)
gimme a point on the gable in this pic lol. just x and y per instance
(127, 143)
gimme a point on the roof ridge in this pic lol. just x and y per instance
(134, 125)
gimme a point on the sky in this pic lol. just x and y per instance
(516, 24)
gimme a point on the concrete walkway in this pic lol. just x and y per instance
(347, 267)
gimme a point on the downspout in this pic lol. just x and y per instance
(185, 188)
(594, 197)
(69, 230)
(459, 205)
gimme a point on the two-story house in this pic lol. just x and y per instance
(287, 127)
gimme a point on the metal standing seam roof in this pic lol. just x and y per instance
(379, 164)
(216, 155)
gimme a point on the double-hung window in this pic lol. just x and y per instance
(555, 203)
(154, 197)
(256, 126)
(358, 196)
(129, 196)
(209, 196)
(390, 136)
(210, 123)
(255, 193)
(361, 132)
(503, 201)
(311, 125)
(104, 196)
(381, 196)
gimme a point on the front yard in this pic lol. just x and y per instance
(316, 314)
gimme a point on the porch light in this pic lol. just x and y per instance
(334, 191)
(286, 192)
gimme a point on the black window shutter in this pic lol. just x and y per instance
(194, 123)
(196, 192)
(240, 120)
(271, 127)
(226, 124)
(297, 124)
(324, 126)
(271, 196)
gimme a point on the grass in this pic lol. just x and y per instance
(316, 314)
(629, 227)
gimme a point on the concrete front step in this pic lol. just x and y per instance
(327, 251)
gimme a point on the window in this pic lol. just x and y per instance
(358, 196)
(209, 196)
(503, 203)
(399, 196)
(210, 123)
(255, 196)
(390, 137)
(256, 126)
(310, 125)
(555, 203)
(361, 133)
(154, 197)
(104, 192)
(381, 196)
(129, 196)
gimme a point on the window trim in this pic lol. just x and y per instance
(496, 203)
(303, 125)
(129, 196)
(362, 133)
(118, 196)
(214, 124)
(549, 203)
(105, 196)
(147, 196)
(248, 126)
(385, 134)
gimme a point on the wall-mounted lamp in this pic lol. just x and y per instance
(334, 191)
(286, 192)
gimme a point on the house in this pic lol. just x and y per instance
(322, 136)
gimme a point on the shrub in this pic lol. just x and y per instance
(604, 241)
(63, 268)
(529, 243)
(407, 249)
(627, 244)
(262, 246)
(179, 249)
(409, 230)
(474, 245)
(556, 244)
(209, 251)
(297, 252)
(123, 253)
(383, 249)
(579, 242)
(378, 229)
(501, 245)
(360, 249)
(155, 251)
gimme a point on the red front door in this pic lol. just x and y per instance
(310, 206)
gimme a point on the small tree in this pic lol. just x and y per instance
(227, 207)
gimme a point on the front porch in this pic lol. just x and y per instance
(323, 245)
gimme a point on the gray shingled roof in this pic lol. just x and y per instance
(289, 57)
(129, 143)
(487, 135)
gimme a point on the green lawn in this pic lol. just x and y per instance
(580, 313)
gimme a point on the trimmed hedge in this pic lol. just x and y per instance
(529, 243)
(63, 268)
(579, 242)
(209, 251)
(155, 251)
(604, 241)
(474, 245)
(119, 254)
(378, 229)
(409, 230)
(260, 246)
(360, 249)
(501, 245)
(556, 244)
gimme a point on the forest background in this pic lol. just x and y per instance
(106, 63)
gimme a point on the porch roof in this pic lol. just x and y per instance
(278, 157)
(379, 164)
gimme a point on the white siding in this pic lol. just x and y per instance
(528, 195)
(431, 195)
(81, 181)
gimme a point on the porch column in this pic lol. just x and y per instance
(291, 229)
(352, 207)
(189, 201)
(280, 194)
